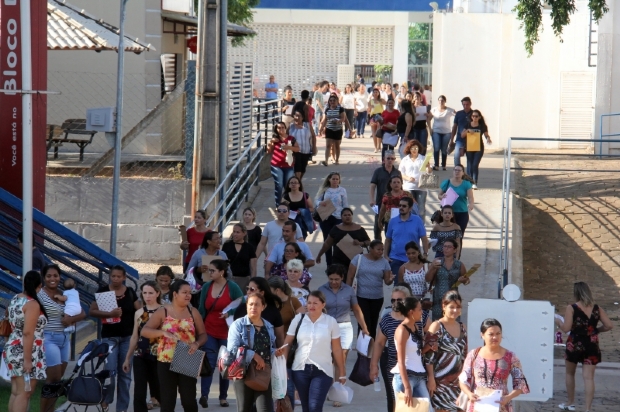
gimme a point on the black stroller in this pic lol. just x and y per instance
(86, 386)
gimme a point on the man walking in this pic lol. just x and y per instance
(319, 104)
(378, 185)
(272, 233)
(404, 228)
(461, 119)
(277, 253)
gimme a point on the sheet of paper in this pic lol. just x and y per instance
(348, 248)
(427, 159)
(206, 259)
(559, 317)
(363, 343)
(394, 212)
(328, 209)
(375, 209)
(230, 320)
(420, 113)
(232, 305)
(292, 214)
(489, 403)
(450, 198)
(106, 301)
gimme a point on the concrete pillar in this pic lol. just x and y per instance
(607, 79)
(401, 50)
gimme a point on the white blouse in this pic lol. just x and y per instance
(411, 168)
(348, 102)
(314, 342)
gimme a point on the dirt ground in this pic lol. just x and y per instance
(571, 232)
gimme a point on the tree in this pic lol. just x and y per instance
(530, 14)
(239, 12)
(419, 51)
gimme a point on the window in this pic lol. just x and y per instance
(420, 53)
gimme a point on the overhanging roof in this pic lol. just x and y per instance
(69, 28)
(233, 30)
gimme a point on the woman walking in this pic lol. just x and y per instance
(582, 320)
(304, 135)
(57, 342)
(291, 251)
(446, 228)
(361, 110)
(446, 340)
(177, 322)
(384, 352)
(281, 163)
(373, 271)
(318, 341)
(441, 131)
(254, 231)
(210, 246)
(410, 170)
(422, 121)
(195, 234)
(412, 273)
(404, 126)
(164, 278)
(462, 185)
(332, 123)
(256, 334)
(392, 197)
(299, 202)
(476, 126)
(118, 335)
(347, 101)
(215, 295)
(375, 108)
(24, 352)
(409, 373)
(142, 353)
(487, 369)
(294, 269)
(242, 256)
(288, 102)
(338, 232)
(443, 273)
(331, 190)
(390, 119)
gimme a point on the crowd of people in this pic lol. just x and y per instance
(420, 344)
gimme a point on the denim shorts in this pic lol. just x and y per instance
(57, 347)
(417, 383)
(346, 335)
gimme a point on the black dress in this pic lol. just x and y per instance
(337, 234)
(254, 236)
(582, 343)
(239, 261)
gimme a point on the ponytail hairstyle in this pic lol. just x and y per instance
(221, 264)
(410, 303)
(32, 281)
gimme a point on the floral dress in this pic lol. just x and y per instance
(14, 348)
(183, 329)
(444, 279)
(582, 343)
(447, 364)
(146, 348)
(493, 374)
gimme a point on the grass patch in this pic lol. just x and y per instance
(5, 393)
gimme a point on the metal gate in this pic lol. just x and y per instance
(576, 108)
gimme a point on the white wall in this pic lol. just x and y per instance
(481, 55)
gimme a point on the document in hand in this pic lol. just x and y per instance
(106, 301)
(489, 403)
(427, 159)
(348, 248)
(363, 344)
(232, 305)
(327, 210)
(450, 198)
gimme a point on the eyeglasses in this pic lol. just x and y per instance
(211, 270)
(282, 210)
(475, 116)
(403, 206)
(251, 289)
(390, 158)
(396, 300)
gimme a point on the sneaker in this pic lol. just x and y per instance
(204, 402)
(324, 163)
(474, 186)
(566, 407)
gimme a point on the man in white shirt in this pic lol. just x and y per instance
(272, 233)
(288, 236)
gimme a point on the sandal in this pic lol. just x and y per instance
(435, 167)
(155, 403)
(337, 404)
(149, 405)
(224, 403)
(566, 407)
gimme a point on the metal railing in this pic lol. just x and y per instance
(601, 135)
(506, 181)
(266, 114)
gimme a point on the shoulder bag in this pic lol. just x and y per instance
(205, 370)
(291, 353)
(429, 181)
(462, 402)
(5, 325)
(257, 379)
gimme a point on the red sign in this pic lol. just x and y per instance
(192, 44)
(11, 103)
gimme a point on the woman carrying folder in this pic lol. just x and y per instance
(358, 235)
(474, 151)
(331, 196)
(462, 185)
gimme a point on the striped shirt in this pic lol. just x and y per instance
(388, 326)
(333, 118)
(55, 311)
(303, 137)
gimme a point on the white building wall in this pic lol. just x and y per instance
(481, 55)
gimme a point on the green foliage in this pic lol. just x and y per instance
(382, 71)
(419, 51)
(530, 14)
(239, 12)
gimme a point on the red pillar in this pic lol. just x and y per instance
(11, 106)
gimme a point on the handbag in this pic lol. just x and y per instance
(257, 379)
(206, 370)
(429, 181)
(419, 404)
(315, 215)
(291, 353)
(462, 402)
(5, 324)
(186, 364)
(359, 374)
(284, 405)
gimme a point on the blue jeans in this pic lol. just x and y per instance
(211, 349)
(114, 363)
(418, 385)
(473, 163)
(57, 347)
(420, 197)
(395, 264)
(312, 385)
(440, 144)
(280, 177)
(360, 123)
(317, 120)
(290, 387)
(457, 149)
(421, 135)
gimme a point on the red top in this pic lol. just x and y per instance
(390, 118)
(215, 325)
(310, 114)
(194, 238)
(278, 159)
